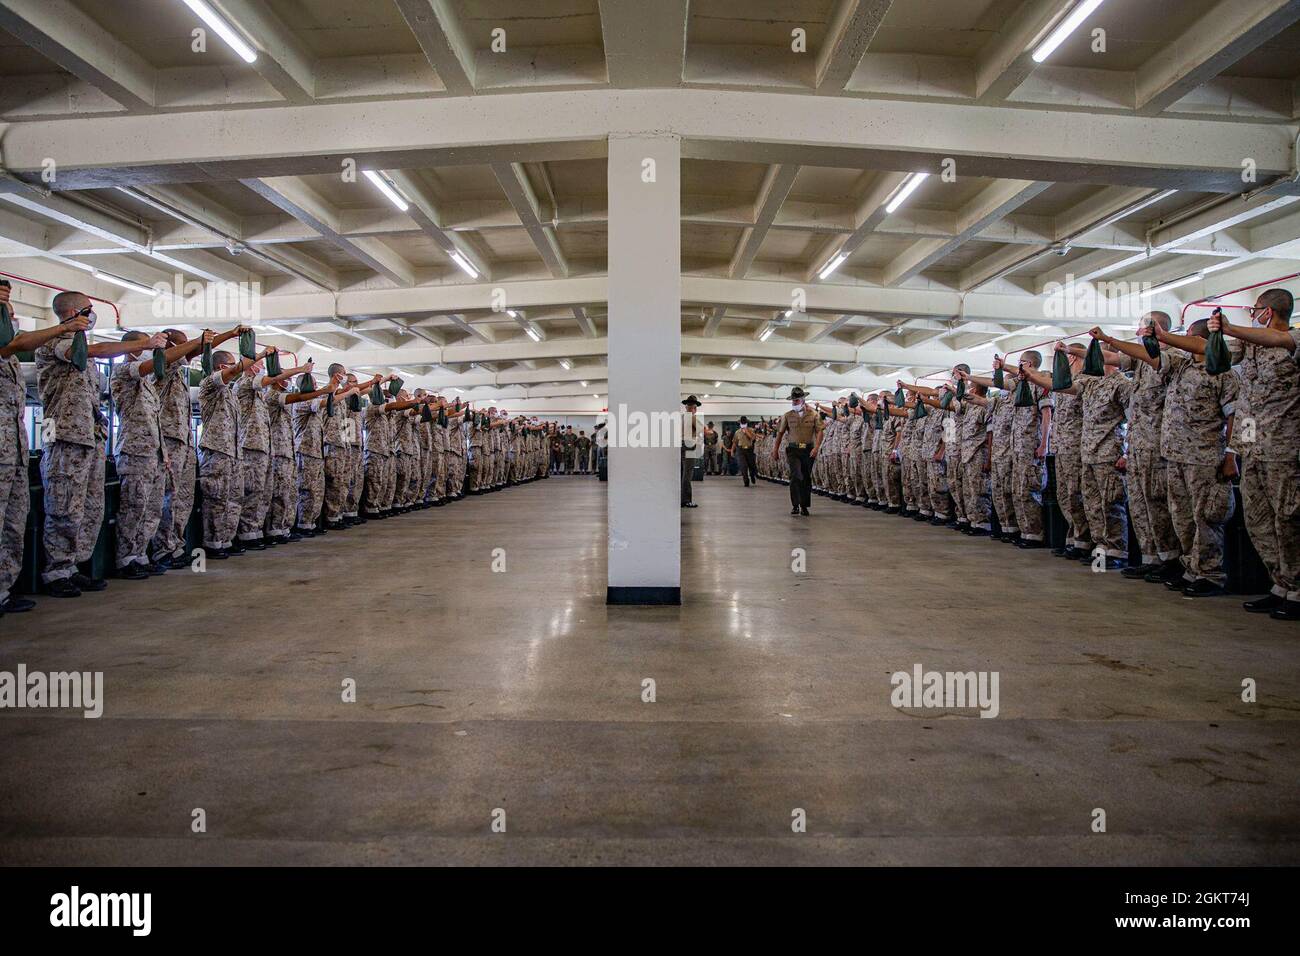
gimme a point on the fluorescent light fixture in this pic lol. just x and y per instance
(222, 29)
(532, 333)
(909, 187)
(835, 263)
(1067, 26)
(583, 384)
(125, 283)
(1173, 284)
(706, 394)
(464, 264)
(717, 384)
(735, 364)
(387, 188)
(767, 334)
(982, 346)
(566, 364)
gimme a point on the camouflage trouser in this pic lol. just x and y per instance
(337, 481)
(407, 489)
(140, 496)
(73, 476)
(222, 486)
(375, 484)
(1200, 503)
(1002, 484)
(1069, 496)
(311, 490)
(892, 477)
(181, 472)
(853, 466)
(912, 485)
(399, 463)
(1271, 496)
(428, 469)
(14, 502)
(256, 469)
(936, 473)
(356, 482)
(458, 466)
(975, 489)
(1103, 499)
(957, 485)
(1148, 506)
(1028, 476)
(284, 490)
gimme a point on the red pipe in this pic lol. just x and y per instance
(58, 288)
(1246, 288)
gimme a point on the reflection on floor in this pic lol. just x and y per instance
(518, 690)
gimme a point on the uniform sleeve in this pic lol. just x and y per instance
(1295, 341)
(62, 350)
(1228, 388)
(1123, 389)
(1047, 401)
(134, 369)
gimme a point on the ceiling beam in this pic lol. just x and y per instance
(853, 26)
(1006, 60)
(772, 192)
(514, 183)
(424, 211)
(445, 44)
(284, 61)
(645, 43)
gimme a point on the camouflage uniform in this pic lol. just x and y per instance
(377, 460)
(308, 444)
(14, 497)
(891, 471)
(1148, 495)
(1193, 441)
(284, 467)
(973, 441)
(139, 460)
(336, 450)
(73, 463)
(356, 464)
(1028, 475)
(914, 489)
(1067, 448)
(219, 474)
(1269, 431)
(1001, 422)
(455, 458)
(1105, 403)
(254, 456)
(181, 463)
(936, 472)
(440, 459)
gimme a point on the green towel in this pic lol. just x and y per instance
(946, 400)
(376, 395)
(248, 344)
(425, 415)
(80, 355)
(159, 364)
(1152, 345)
(899, 398)
(998, 380)
(1094, 363)
(961, 389)
(395, 387)
(1061, 377)
(921, 410)
(273, 364)
(853, 400)
(329, 405)
(1217, 357)
(305, 383)
(354, 403)
(880, 418)
(1024, 395)
(7, 332)
(469, 415)
(206, 361)
(442, 417)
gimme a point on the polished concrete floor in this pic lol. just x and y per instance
(478, 690)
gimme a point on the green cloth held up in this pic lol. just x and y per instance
(329, 405)
(961, 389)
(305, 383)
(998, 380)
(159, 365)
(206, 361)
(273, 364)
(1217, 357)
(899, 398)
(442, 417)
(376, 395)
(1094, 363)
(1024, 394)
(7, 332)
(920, 410)
(1152, 345)
(354, 403)
(248, 344)
(853, 400)
(1061, 377)
(80, 355)
(394, 387)
(946, 400)
(880, 418)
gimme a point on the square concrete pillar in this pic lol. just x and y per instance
(645, 305)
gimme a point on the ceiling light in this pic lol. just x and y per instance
(909, 187)
(583, 384)
(834, 264)
(387, 188)
(706, 394)
(717, 384)
(735, 364)
(1065, 28)
(464, 263)
(125, 283)
(767, 334)
(982, 346)
(1173, 284)
(222, 29)
(532, 333)
(566, 364)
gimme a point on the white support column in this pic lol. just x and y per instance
(645, 304)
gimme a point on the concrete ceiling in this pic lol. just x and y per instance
(1125, 162)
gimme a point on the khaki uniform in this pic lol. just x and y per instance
(283, 507)
(73, 463)
(1029, 475)
(181, 462)
(337, 437)
(139, 461)
(1269, 432)
(379, 474)
(1148, 494)
(972, 441)
(356, 462)
(1002, 478)
(219, 474)
(254, 456)
(1067, 447)
(14, 497)
(309, 448)
(801, 430)
(1105, 406)
(1193, 441)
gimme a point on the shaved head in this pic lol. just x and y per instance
(65, 304)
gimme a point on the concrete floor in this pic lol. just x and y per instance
(478, 690)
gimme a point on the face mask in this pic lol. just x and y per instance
(91, 318)
(1260, 318)
(798, 405)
